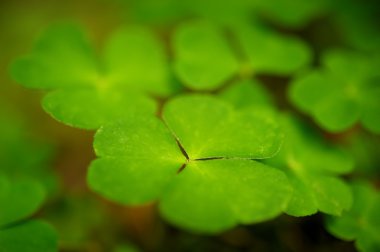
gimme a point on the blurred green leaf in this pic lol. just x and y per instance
(90, 93)
(204, 59)
(343, 92)
(31, 236)
(312, 166)
(362, 222)
(271, 53)
(19, 199)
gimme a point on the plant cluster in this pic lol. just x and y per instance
(184, 119)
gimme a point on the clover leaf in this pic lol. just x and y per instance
(343, 92)
(197, 162)
(271, 53)
(88, 91)
(311, 164)
(362, 222)
(205, 58)
(32, 236)
(19, 199)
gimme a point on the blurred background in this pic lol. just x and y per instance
(87, 222)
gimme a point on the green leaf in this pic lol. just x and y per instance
(135, 58)
(19, 199)
(246, 93)
(89, 91)
(62, 57)
(307, 90)
(31, 236)
(215, 195)
(101, 106)
(269, 52)
(206, 128)
(342, 93)
(337, 113)
(203, 58)
(211, 128)
(138, 146)
(362, 222)
(312, 166)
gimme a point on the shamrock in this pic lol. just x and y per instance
(310, 163)
(198, 163)
(88, 91)
(25, 183)
(18, 200)
(205, 59)
(362, 222)
(312, 166)
(346, 90)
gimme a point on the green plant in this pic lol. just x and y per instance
(63, 61)
(345, 91)
(192, 117)
(25, 185)
(361, 223)
(215, 164)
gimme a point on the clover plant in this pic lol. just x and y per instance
(197, 44)
(117, 84)
(204, 116)
(311, 164)
(25, 185)
(345, 91)
(361, 223)
(214, 157)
